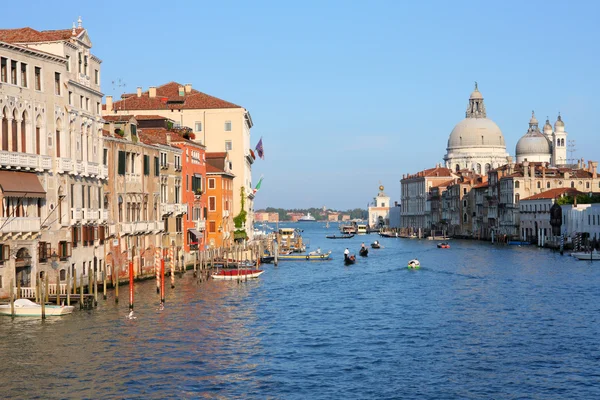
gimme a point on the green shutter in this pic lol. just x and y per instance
(146, 165)
(156, 167)
(121, 168)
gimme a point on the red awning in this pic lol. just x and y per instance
(21, 184)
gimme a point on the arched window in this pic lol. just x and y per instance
(24, 132)
(5, 129)
(15, 135)
(516, 184)
(58, 135)
(487, 167)
(587, 185)
(38, 129)
(465, 217)
(478, 168)
(562, 142)
(120, 208)
(548, 185)
(457, 167)
(572, 184)
(539, 184)
(517, 198)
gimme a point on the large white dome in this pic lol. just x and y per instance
(533, 143)
(476, 132)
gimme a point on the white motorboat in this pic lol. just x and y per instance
(582, 255)
(27, 308)
(306, 218)
(414, 264)
(237, 274)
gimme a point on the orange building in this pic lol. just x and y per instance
(219, 195)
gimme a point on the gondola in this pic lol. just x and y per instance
(345, 236)
(349, 259)
(375, 245)
(363, 252)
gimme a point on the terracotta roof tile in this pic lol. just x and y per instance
(168, 97)
(481, 185)
(158, 136)
(29, 35)
(553, 193)
(150, 117)
(216, 155)
(213, 169)
(117, 118)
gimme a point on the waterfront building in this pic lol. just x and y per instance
(480, 226)
(415, 212)
(476, 143)
(333, 216)
(459, 199)
(216, 124)
(379, 211)
(395, 211)
(132, 198)
(219, 192)
(548, 146)
(51, 175)
(581, 219)
(535, 213)
(266, 217)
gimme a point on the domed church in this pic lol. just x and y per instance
(476, 143)
(548, 146)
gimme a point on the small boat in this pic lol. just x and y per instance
(362, 229)
(414, 264)
(375, 245)
(267, 259)
(27, 308)
(234, 263)
(364, 252)
(582, 255)
(236, 274)
(345, 236)
(305, 257)
(443, 245)
(349, 259)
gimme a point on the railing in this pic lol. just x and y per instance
(79, 167)
(52, 289)
(133, 178)
(201, 225)
(167, 208)
(76, 214)
(104, 215)
(181, 209)
(225, 213)
(93, 168)
(25, 160)
(64, 165)
(26, 292)
(104, 171)
(20, 224)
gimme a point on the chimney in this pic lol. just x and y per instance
(188, 88)
(594, 167)
(139, 92)
(111, 128)
(168, 138)
(544, 171)
(181, 91)
(525, 169)
(532, 170)
(109, 103)
(152, 91)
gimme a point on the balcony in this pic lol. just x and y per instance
(76, 214)
(25, 161)
(226, 214)
(64, 165)
(140, 227)
(104, 171)
(79, 167)
(166, 209)
(20, 225)
(181, 209)
(104, 217)
(133, 178)
(201, 225)
(93, 169)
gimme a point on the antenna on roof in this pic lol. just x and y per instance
(117, 85)
(571, 149)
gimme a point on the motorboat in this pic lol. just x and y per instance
(344, 236)
(349, 259)
(236, 274)
(414, 264)
(362, 229)
(27, 308)
(306, 218)
(305, 257)
(267, 259)
(376, 245)
(364, 252)
(586, 255)
(443, 245)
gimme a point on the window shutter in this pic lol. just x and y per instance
(68, 245)
(121, 167)
(48, 251)
(156, 167)
(5, 252)
(146, 165)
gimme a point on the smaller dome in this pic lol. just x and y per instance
(533, 142)
(533, 120)
(547, 126)
(559, 123)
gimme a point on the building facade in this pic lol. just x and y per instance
(379, 211)
(219, 191)
(51, 151)
(217, 124)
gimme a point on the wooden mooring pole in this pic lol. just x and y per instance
(12, 298)
(131, 285)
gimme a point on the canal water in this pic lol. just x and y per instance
(477, 321)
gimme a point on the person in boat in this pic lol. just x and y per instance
(346, 254)
(362, 246)
(377, 242)
(318, 250)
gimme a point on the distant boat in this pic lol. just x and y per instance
(236, 274)
(340, 236)
(586, 255)
(306, 218)
(27, 308)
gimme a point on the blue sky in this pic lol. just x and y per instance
(348, 94)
